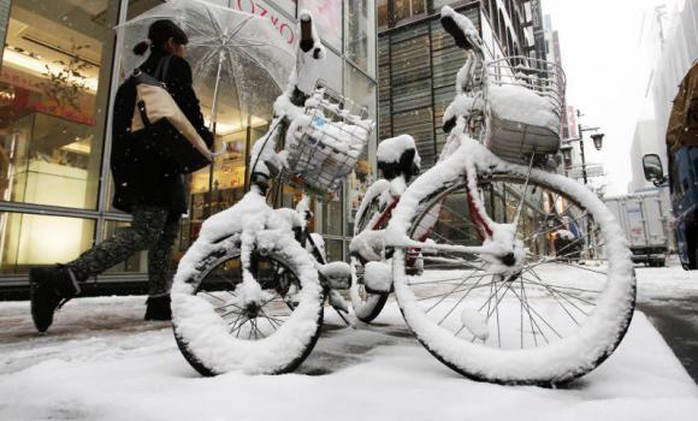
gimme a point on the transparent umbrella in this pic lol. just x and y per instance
(240, 62)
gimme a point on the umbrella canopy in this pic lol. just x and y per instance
(240, 62)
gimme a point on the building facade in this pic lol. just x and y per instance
(418, 60)
(60, 69)
(676, 31)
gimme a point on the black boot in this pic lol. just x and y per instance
(50, 288)
(158, 308)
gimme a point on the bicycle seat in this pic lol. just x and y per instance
(398, 156)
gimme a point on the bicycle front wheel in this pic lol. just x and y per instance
(557, 317)
(217, 334)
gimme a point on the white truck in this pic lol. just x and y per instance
(645, 217)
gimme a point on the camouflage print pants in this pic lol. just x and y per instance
(152, 229)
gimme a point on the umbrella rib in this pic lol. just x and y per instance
(269, 72)
(215, 21)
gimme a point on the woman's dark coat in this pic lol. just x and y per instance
(142, 175)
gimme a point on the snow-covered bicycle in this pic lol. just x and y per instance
(469, 247)
(249, 293)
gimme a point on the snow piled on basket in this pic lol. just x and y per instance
(520, 104)
(543, 362)
(207, 334)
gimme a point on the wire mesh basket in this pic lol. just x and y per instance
(324, 148)
(525, 99)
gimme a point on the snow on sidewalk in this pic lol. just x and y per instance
(101, 362)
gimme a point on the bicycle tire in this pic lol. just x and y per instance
(367, 306)
(468, 348)
(202, 324)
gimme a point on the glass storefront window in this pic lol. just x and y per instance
(289, 6)
(403, 9)
(436, 5)
(328, 20)
(359, 29)
(334, 251)
(54, 90)
(332, 71)
(363, 92)
(360, 89)
(55, 78)
(218, 2)
(216, 188)
(28, 240)
(332, 214)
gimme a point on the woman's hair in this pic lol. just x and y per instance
(160, 31)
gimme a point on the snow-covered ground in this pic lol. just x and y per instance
(100, 361)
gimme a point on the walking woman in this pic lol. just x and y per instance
(146, 186)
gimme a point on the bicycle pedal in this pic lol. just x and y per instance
(378, 278)
(336, 275)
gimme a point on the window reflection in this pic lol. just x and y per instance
(360, 27)
(403, 9)
(29, 240)
(53, 94)
(332, 214)
(328, 19)
(334, 250)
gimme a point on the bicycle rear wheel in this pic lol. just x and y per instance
(556, 318)
(367, 306)
(217, 334)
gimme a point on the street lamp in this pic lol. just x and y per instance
(566, 148)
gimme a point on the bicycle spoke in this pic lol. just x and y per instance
(446, 281)
(450, 261)
(462, 282)
(429, 297)
(563, 262)
(558, 289)
(530, 317)
(273, 322)
(533, 311)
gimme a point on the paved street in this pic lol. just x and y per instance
(677, 320)
(669, 298)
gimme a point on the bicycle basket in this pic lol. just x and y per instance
(324, 147)
(524, 100)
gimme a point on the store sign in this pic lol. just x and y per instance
(284, 27)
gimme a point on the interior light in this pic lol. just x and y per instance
(13, 58)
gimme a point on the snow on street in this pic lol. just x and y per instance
(100, 361)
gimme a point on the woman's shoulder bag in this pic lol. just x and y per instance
(159, 122)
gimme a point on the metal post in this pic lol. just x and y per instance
(581, 151)
(208, 211)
